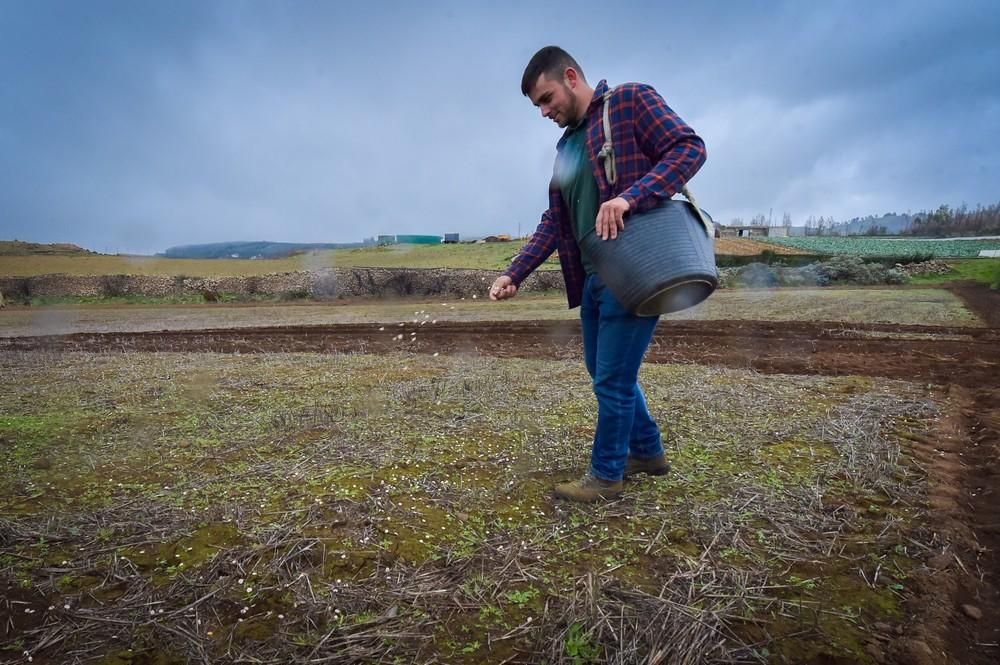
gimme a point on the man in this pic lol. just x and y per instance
(656, 153)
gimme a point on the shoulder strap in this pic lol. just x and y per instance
(607, 154)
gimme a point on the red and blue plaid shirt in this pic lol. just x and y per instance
(656, 153)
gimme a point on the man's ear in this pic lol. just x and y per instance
(571, 77)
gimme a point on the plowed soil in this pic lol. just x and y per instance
(748, 247)
(963, 465)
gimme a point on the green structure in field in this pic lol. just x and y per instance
(409, 240)
(417, 240)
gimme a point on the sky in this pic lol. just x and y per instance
(135, 125)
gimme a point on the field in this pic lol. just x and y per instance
(880, 247)
(21, 248)
(370, 482)
(494, 256)
(926, 306)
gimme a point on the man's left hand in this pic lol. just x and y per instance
(611, 218)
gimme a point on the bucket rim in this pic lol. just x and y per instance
(710, 284)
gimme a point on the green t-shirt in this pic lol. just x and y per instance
(578, 186)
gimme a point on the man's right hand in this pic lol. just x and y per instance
(503, 288)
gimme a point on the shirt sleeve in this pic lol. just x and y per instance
(542, 243)
(675, 150)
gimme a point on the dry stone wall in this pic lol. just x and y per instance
(324, 284)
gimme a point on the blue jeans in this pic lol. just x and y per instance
(614, 342)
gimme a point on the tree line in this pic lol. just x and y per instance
(946, 222)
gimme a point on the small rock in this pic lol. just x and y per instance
(972, 612)
(882, 627)
(42, 463)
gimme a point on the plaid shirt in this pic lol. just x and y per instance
(656, 153)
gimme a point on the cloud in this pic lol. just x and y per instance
(136, 126)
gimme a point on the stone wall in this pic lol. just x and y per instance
(933, 267)
(323, 284)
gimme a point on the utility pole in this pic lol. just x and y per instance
(769, 211)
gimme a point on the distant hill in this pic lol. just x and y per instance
(262, 249)
(21, 248)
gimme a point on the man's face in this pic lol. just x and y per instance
(555, 100)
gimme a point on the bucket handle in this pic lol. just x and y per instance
(607, 155)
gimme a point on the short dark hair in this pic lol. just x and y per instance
(551, 61)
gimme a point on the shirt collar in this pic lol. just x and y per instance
(598, 98)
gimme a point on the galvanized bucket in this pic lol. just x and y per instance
(662, 261)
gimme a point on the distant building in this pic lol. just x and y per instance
(753, 231)
(451, 238)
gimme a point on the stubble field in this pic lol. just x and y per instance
(332, 493)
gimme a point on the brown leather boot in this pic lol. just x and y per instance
(654, 466)
(589, 488)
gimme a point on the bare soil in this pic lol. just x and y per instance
(946, 355)
(962, 463)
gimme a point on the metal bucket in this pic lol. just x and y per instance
(662, 261)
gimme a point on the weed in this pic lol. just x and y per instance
(521, 598)
(578, 647)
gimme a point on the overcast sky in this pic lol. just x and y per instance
(133, 126)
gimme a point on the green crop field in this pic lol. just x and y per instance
(865, 246)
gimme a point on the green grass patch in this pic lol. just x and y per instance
(187, 299)
(984, 271)
(472, 256)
